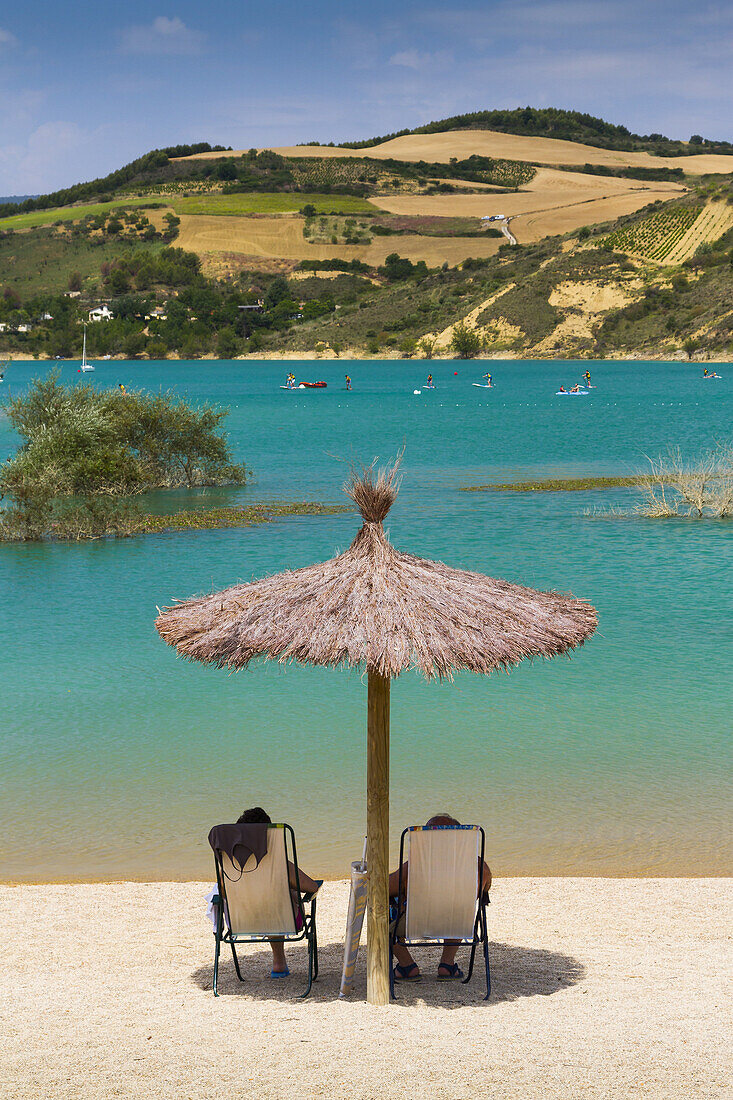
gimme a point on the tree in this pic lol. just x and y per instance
(134, 344)
(465, 342)
(309, 210)
(226, 344)
(119, 280)
(690, 345)
(225, 170)
(276, 291)
(75, 281)
(157, 349)
(696, 139)
(426, 346)
(101, 445)
(173, 222)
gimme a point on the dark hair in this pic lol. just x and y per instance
(441, 819)
(255, 816)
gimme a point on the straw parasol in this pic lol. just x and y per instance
(375, 607)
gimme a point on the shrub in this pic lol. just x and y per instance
(465, 342)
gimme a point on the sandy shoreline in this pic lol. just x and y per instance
(610, 988)
(309, 356)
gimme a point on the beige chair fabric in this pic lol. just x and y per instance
(259, 902)
(442, 883)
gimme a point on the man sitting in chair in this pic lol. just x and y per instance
(306, 885)
(407, 969)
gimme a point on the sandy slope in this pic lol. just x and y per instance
(602, 989)
(463, 143)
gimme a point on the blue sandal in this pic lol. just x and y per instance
(454, 972)
(404, 973)
(279, 973)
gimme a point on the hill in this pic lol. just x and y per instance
(554, 122)
(204, 250)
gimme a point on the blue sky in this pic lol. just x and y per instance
(86, 87)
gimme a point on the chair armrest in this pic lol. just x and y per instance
(310, 894)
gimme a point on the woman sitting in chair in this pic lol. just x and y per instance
(406, 969)
(305, 884)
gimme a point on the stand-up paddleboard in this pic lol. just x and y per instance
(570, 393)
(293, 388)
(482, 385)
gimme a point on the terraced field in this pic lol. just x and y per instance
(673, 234)
(715, 220)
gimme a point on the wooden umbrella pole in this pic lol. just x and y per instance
(378, 839)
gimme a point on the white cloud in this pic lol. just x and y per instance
(163, 36)
(7, 39)
(48, 151)
(415, 59)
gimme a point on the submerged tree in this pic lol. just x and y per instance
(676, 486)
(85, 452)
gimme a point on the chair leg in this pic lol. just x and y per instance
(217, 947)
(392, 993)
(236, 962)
(467, 979)
(486, 954)
(315, 953)
(310, 968)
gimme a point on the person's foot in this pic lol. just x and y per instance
(408, 973)
(280, 973)
(448, 972)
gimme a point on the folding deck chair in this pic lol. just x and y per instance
(441, 900)
(254, 901)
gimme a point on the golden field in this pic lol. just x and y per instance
(490, 143)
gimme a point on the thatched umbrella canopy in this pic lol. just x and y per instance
(375, 607)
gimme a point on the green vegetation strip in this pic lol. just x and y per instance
(212, 519)
(69, 213)
(556, 485)
(280, 202)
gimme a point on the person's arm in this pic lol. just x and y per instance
(485, 879)
(305, 883)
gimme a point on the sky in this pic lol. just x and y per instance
(87, 87)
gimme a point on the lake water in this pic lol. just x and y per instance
(116, 757)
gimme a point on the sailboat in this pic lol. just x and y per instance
(85, 367)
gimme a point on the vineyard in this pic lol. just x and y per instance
(655, 237)
(333, 172)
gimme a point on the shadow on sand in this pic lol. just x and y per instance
(515, 972)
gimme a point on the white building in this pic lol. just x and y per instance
(101, 313)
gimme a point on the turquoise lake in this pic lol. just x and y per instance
(116, 757)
